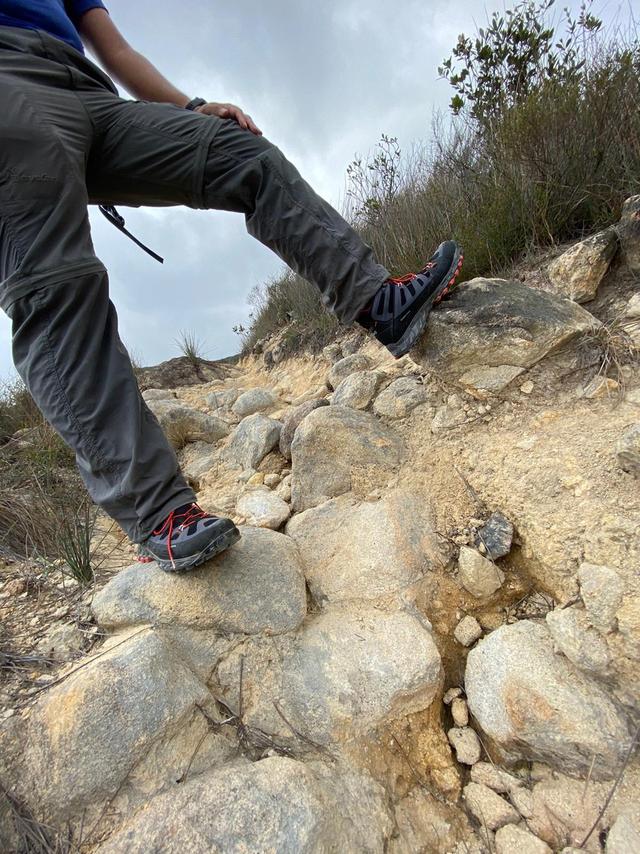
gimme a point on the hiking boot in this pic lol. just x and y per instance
(187, 538)
(397, 314)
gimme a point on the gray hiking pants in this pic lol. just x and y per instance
(67, 140)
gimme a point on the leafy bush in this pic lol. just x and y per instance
(543, 146)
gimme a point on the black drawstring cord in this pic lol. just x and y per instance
(117, 219)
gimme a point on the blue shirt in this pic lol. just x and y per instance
(59, 18)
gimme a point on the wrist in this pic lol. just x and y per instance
(194, 103)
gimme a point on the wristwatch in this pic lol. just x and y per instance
(195, 102)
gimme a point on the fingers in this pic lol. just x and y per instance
(230, 111)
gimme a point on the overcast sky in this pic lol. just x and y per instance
(324, 80)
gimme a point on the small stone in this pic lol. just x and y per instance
(495, 778)
(490, 809)
(602, 590)
(332, 353)
(526, 387)
(460, 712)
(245, 476)
(293, 420)
(583, 645)
(271, 480)
(451, 695)
(478, 576)
(632, 311)
(256, 479)
(511, 839)
(447, 417)
(15, 587)
(600, 387)
(577, 273)
(466, 744)
(252, 440)
(400, 398)
(357, 390)
(628, 450)
(522, 799)
(624, 836)
(496, 536)
(263, 508)
(629, 233)
(346, 366)
(468, 631)
(62, 643)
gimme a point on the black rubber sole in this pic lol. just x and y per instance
(417, 326)
(213, 548)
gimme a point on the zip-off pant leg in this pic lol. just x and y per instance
(65, 339)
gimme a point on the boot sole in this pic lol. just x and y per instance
(416, 327)
(184, 564)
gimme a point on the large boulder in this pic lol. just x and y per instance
(252, 440)
(254, 400)
(493, 322)
(535, 705)
(85, 736)
(337, 450)
(220, 595)
(349, 670)
(183, 424)
(353, 550)
(275, 805)
(182, 371)
(629, 233)
(292, 420)
(577, 273)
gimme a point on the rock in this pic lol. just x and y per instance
(466, 744)
(492, 811)
(400, 398)
(628, 450)
(534, 704)
(335, 449)
(495, 778)
(577, 273)
(332, 353)
(496, 536)
(451, 695)
(492, 322)
(272, 480)
(632, 311)
(350, 670)
(624, 835)
(293, 420)
(468, 631)
(15, 587)
(158, 394)
(284, 488)
(254, 400)
(275, 805)
(565, 809)
(511, 838)
(84, 736)
(182, 424)
(485, 380)
(263, 508)
(197, 459)
(62, 642)
(629, 233)
(222, 399)
(526, 387)
(357, 390)
(346, 366)
(460, 712)
(602, 590)
(574, 637)
(353, 550)
(600, 387)
(256, 479)
(478, 575)
(522, 799)
(252, 440)
(220, 595)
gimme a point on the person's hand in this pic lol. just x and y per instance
(230, 111)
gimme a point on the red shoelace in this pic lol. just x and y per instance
(175, 520)
(402, 280)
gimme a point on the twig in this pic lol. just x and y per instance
(616, 783)
(297, 733)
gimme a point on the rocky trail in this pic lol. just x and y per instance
(428, 638)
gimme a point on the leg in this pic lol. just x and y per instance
(65, 339)
(155, 154)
